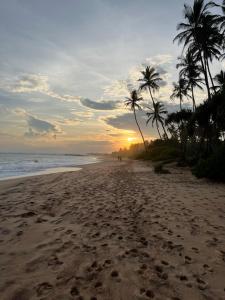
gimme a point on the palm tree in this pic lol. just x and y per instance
(180, 90)
(150, 81)
(220, 80)
(201, 34)
(133, 103)
(211, 42)
(191, 71)
(178, 122)
(155, 115)
(222, 18)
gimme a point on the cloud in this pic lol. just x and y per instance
(31, 83)
(125, 121)
(38, 83)
(103, 105)
(69, 122)
(160, 60)
(116, 135)
(119, 89)
(38, 127)
(81, 115)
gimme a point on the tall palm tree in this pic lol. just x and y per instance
(155, 115)
(191, 71)
(132, 101)
(220, 80)
(150, 81)
(201, 34)
(212, 41)
(222, 18)
(180, 90)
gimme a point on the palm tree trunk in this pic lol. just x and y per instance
(206, 76)
(142, 136)
(210, 75)
(151, 96)
(180, 103)
(157, 126)
(193, 98)
(166, 135)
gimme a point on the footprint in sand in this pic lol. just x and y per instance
(114, 273)
(74, 291)
(148, 293)
(44, 288)
(28, 214)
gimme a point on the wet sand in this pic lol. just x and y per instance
(112, 231)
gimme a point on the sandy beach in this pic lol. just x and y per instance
(112, 231)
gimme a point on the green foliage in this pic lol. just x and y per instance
(161, 150)
(213, 167)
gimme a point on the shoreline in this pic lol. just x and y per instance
(114, 230)
(10, 182)
(43, 172)
(54, 170)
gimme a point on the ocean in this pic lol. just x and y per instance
(15, 165)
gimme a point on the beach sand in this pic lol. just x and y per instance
(112, 231)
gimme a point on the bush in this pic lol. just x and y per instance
(213, 167)
(158, 169)
(160, 150)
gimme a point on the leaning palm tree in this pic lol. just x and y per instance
(132, 102)
(156, 116)
(190, 70)
(180, 90)
(220, 80)
(150, 81)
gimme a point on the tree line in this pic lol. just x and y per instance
(199, 130)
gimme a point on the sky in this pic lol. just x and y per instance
(67, 66)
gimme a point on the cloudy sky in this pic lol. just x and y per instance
(66, 66)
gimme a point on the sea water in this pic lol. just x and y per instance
(20, 164)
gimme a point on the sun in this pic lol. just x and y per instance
(131, 139)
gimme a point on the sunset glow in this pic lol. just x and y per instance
(71, 90)
(131, 139)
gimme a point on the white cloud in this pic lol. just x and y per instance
(119, 89)
(38, 83)
(82, 114)
(101, 105)
(37, 127)
(159, 60)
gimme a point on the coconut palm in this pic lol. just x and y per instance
(133, 103)
(222, 18)
(156, 116)
(180, 90)
(150, 81)
(201, 34)
(190, 70)
(178, 122)
(211, 42)
(220, 80)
